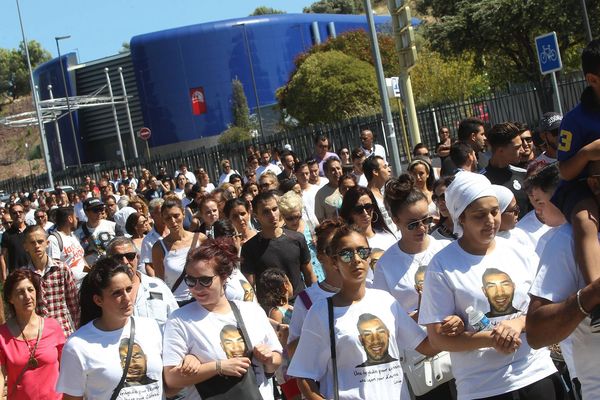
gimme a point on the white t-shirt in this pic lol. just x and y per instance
(72, 253)
(517, 236)
(454, 282)
(382, 240)
(308, 202)
(225, 177)
(532, 227)
(237, 287)
(378, 150)
(194, 330)
(558, 278)
(91, 362)
(78, 208)
(386, 331)
(154, 300)
(180, 193)
(395, 272)
(99, 238)
(146, 249)
(315, 293)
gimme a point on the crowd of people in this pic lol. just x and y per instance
(327, 278)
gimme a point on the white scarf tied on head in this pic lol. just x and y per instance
(465, 189)
(504, 196)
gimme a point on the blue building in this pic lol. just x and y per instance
(180, 80)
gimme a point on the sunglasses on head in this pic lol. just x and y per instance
(362, 208)
(423, 221)
(129, 256)
(348, 254)
(204, 281)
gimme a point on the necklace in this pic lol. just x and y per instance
(33, 362)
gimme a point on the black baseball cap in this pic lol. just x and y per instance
(91, 203)
(550, 121)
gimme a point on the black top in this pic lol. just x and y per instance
(288, 252)
(12, 240)
(512, 178)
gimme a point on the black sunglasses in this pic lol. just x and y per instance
(360, 209)
(204, 281)
(130, 256)
(347, 255)
(423, 221)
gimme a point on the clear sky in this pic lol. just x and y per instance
(98, 28)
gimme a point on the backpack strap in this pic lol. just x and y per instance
(58, 239)
(305, 299)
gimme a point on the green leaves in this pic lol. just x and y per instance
(14, 74)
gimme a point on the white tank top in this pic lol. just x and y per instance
(174, 263)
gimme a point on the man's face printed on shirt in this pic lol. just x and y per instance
(375, 337)
(248, 292)
(499, 289)
(232, 342)
(138, 366)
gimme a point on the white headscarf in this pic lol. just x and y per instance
(504, 196)
(465, 189)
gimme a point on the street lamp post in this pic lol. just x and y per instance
(64, 76)
(36, 103)
(247, 45)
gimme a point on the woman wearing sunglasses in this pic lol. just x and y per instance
(370, 331)
(208, 329)
(359, 209)
(290, 206)
(444, 229)
(399, 271)
(488, 276)
(94, 357)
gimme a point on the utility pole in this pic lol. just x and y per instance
(390, 131)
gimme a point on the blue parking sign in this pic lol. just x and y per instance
(548, 53)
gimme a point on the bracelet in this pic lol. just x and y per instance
(218, 367)
(587, 314)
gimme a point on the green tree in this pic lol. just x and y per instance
(330, 86)
(14, 71)
(501, 33)
(335, 7)
(239, 107)
(234, 134)
(263, 10)
(438, 80)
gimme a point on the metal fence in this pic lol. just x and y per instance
(519, 105)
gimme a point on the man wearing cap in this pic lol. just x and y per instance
(96, 233)
(549, 130)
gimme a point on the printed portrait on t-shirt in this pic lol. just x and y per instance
(420, 278)
(138, 366)
(375, 339)
(248, 291)
(232, 342)
(499, 289)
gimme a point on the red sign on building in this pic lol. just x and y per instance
(198, 100)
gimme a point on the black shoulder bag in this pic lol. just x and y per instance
(127, 361)
(221, 387)
(336, 390)
(182, 275)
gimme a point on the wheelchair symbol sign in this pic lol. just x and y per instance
(548, 53)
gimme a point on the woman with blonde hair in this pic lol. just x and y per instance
(290, 206)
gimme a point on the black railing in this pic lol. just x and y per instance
(522, 105)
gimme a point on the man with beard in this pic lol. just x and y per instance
(549, 130)
(375, 339)
(499, 289)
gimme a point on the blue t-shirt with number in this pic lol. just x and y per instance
(579, 127)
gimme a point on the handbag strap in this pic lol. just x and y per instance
(117, 390)
(336, 392)
(242, 327)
